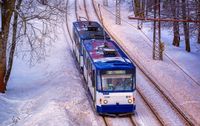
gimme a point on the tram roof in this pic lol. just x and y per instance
(107, 55)
(90, 30)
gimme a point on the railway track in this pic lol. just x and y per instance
(170, 101)
(146, 101)
(81, 12)
(105, 119)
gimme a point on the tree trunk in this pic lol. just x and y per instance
(175, 13)
(13, 44)
(137, 7)
(186, 26)
(142, 9)
(8, 6)
(146, 8)
(44, 2)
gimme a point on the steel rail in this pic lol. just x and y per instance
(86, 12)
(132, 121)
(76, 10)
(104, 119)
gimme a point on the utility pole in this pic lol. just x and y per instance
(118, 13)
(105, 2)
(157, 45)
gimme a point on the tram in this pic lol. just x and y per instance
(109, 73)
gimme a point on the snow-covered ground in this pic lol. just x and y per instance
(51, 92)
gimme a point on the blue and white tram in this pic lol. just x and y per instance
(85, 30)
(110, 77)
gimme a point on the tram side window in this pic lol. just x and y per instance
(90, 71)
(81, 48)
(88, 63)
(78, 45)
(98, 82)
(93, 78)
(75, 37)
(84, 56)
(74, 34)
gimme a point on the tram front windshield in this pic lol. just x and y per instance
(117, 81)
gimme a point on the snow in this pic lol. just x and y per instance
(157, 101)
(118, 121)
(143, 115)
(52, 91)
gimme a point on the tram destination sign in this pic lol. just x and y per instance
(116, 72)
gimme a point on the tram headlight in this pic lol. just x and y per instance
(130, 100)
(105, 101)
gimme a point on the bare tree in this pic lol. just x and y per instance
(175, 13)
(186, 26)
(136, 7)
(35, 33)
(33, 25)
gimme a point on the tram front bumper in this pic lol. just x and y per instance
(116, 109)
